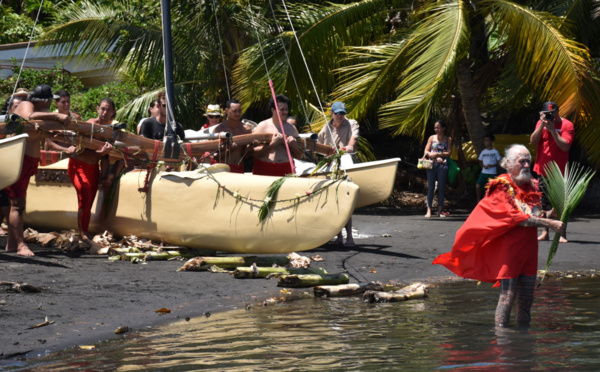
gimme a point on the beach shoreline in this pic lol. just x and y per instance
(88, 297)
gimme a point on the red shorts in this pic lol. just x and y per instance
(19, 189)
(233, 168)
(263, 168)
(85, 178)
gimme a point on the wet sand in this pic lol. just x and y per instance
(88, 298)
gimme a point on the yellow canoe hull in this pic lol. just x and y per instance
(184, 209)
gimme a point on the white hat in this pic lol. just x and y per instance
(213, 110)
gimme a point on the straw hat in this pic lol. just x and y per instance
(213, 110)
(21, 92)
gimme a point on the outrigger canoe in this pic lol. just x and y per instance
(12, 150)
(212, 209)
(375, 178)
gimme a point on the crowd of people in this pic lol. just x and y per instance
(497, 243)
(90, 169)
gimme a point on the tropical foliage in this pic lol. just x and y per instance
(395, 63)
(565, 191)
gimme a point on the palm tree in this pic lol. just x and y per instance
(398, 61)
(495, 55)
(129, 35)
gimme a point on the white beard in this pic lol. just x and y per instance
(523, 177)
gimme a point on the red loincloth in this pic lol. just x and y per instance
(18, 189)
(85, 178)
(490, 245)
(263, 168)
(236, 168)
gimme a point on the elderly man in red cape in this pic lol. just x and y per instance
(498, 242)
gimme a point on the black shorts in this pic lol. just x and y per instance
(4, 201)
(542, 185)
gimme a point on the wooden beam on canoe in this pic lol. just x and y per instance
(145, 145)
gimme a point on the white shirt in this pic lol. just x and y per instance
(489, 157)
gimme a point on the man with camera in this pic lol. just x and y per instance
(553, 137)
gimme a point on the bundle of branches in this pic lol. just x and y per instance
(228, 264)
(67, 240)
(564, 191)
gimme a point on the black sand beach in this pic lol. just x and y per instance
(88, 298)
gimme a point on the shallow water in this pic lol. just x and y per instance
(451, 330)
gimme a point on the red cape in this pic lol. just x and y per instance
(490, 245)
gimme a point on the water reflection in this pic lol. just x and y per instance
(451, 330)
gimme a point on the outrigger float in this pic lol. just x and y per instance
(12, 150)
(209, 207)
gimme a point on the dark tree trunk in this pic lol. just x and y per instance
(470, 105)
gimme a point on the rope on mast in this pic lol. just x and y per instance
(221, 49)
(309, 74)
(28, 44)
(287, 57)
(287, 147)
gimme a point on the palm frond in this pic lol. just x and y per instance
(552, 64)
(270, 198)
(565, 191)
(581, 15)
(374, 78)
(321, 31)
(95, 30)
(436, 46)
(589, 138)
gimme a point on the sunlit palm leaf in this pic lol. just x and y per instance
(552, 64)
(321, 31)
(436, 46)
(374, 80)
(93, 29)
(565, 191)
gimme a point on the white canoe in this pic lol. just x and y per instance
(182, 208)
(12, 150)
(375, 178)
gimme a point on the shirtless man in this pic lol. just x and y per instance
(271, 159)
(235, 156)
(83, 168)
(35, 108)
(11, 104)
(63, 104)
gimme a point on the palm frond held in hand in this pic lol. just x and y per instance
(564, 191)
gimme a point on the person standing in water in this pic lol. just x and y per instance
(498, 241)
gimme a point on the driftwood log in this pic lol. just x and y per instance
(415, 290)
(346, 289)
(203, 263)
(302, 281)
(19, 287)
(262, 272)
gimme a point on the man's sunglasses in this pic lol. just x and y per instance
(213, 116)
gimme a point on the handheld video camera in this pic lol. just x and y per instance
(548, 115)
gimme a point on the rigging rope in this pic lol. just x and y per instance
(287, 147)
(221, 49)
(309, 74)
(169, 99)
(28, 44)
(287, 57)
